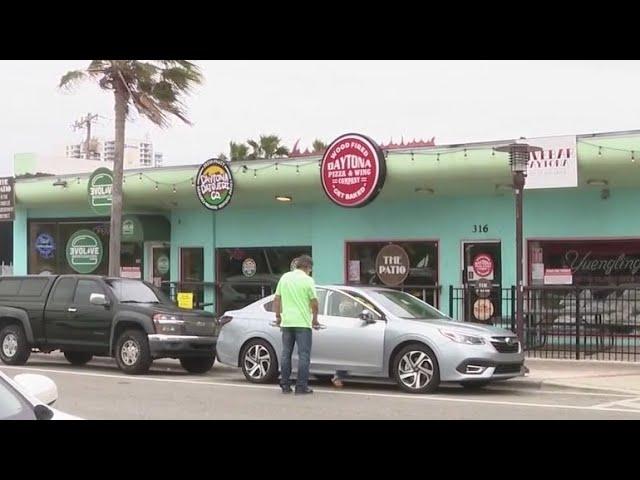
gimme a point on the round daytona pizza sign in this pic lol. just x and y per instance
(353, 170)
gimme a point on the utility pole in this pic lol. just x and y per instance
(85, 123)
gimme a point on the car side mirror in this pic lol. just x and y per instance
(367, 316)
(98, 299)
(38, 386)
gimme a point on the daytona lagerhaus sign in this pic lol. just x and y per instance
(352, 170)
(7, 199)
(556, 166)
(214, 184)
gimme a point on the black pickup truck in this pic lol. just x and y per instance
(86, 316)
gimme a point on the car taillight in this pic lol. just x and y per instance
(224, 320)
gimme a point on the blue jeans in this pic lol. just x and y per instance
(290, 337)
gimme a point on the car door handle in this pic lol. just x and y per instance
(72, 310)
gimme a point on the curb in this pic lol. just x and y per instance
(527, 383)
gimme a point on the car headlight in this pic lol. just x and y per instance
(462, 338)
(168, 324)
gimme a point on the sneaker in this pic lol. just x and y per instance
(337, 382)
(286, 389)
(303, 391)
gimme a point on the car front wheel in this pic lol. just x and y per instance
(132, 352)
(416, 369)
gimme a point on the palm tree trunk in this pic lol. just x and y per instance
(115, 232)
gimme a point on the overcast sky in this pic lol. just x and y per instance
(453, 101)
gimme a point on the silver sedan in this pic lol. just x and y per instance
(377, 333)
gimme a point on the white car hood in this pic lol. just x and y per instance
(471, 328)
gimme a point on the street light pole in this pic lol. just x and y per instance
(519, 160)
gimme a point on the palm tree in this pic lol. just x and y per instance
(319, 146)
(154, 89)
(238, 151)
(268, 146)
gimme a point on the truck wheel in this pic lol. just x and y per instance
(78, 358)
(198, 364)
(132, 352)
(14, 348)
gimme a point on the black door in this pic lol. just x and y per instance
(57, 315)
(90, 325)
(482, 262)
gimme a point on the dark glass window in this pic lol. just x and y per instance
(422, 280)
(84, 290)
(63, 291)
(591, 262)
(246, 275)
(9, 286)
(32, 287)
(192, 273)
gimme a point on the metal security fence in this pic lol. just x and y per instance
(464, 302)
(600, 323)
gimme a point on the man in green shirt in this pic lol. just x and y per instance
(296, 309)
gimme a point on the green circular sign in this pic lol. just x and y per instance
(162, 265)
(99, 188)
(84, 251)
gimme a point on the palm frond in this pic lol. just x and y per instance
(71, 79)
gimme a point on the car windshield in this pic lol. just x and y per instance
(12, 405)
(407, 306)
(132, 291)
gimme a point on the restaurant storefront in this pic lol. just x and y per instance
(420, 218)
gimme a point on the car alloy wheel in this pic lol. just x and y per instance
(130, 352)
(415, 369)
(10, 345)
(257, 361)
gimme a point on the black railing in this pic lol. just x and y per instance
(493, 307)
(600, 323)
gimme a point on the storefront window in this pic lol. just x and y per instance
(249, 274)
(584, 262)
(48, 241)
(422, 276)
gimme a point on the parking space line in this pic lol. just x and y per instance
(432, 398)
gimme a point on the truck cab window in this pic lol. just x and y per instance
(63, 291)
(84, 290)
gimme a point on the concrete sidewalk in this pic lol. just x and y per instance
(621, 377)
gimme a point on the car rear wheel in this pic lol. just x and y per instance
(259, 362)
(78, 358)
(132, 352)
(198, 364)
(14, 348)
(416, 369)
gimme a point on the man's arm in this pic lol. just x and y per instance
(314, 312)
(277, 308)
(313, 302)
